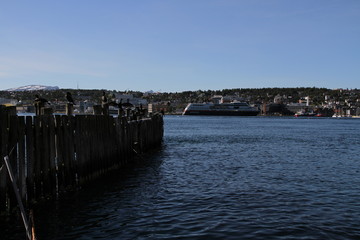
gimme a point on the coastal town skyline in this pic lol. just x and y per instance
(180, 45)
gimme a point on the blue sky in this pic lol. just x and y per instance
(180, 45)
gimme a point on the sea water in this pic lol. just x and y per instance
(221, 178)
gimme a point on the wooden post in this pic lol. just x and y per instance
(71, 147)
(12, 152)
(30, 158)
(45, 157)
(80, 146)
(105, 109)
(97, 109)
(37, 159)
(3, 150)
(46, 111)
(59, 152)
(39, 108)
(52, 155)
(69, 154)
(21, 158)
(69, 109)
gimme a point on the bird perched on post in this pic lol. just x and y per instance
(40, 100)
(104, 99)
(69, 98)
(39, 104)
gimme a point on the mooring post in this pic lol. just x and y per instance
(97, 109)
(46, 111)
(105, 109)
(69, 109)
(39, 109)
(3, 148)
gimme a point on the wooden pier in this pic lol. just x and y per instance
(50, 154)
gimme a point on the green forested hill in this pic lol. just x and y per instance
(250, 94)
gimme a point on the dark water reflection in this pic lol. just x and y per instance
(222, 178)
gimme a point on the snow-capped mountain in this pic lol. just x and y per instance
(33, 88)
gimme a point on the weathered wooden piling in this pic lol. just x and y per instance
(46, 111)
(97, 109)
(69, 109)
(53, 153)
(105, 109)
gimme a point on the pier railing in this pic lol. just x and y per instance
(50, 154)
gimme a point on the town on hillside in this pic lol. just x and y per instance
(269, 101)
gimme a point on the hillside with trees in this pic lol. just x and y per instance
(252, 95)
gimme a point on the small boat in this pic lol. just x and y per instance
(342, 116)
(305, 114)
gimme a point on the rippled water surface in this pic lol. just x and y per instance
(222, 178)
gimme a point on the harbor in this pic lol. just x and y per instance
(221, 177)
(188, 120)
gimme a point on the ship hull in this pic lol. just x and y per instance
(229, 109)
(221, 113)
